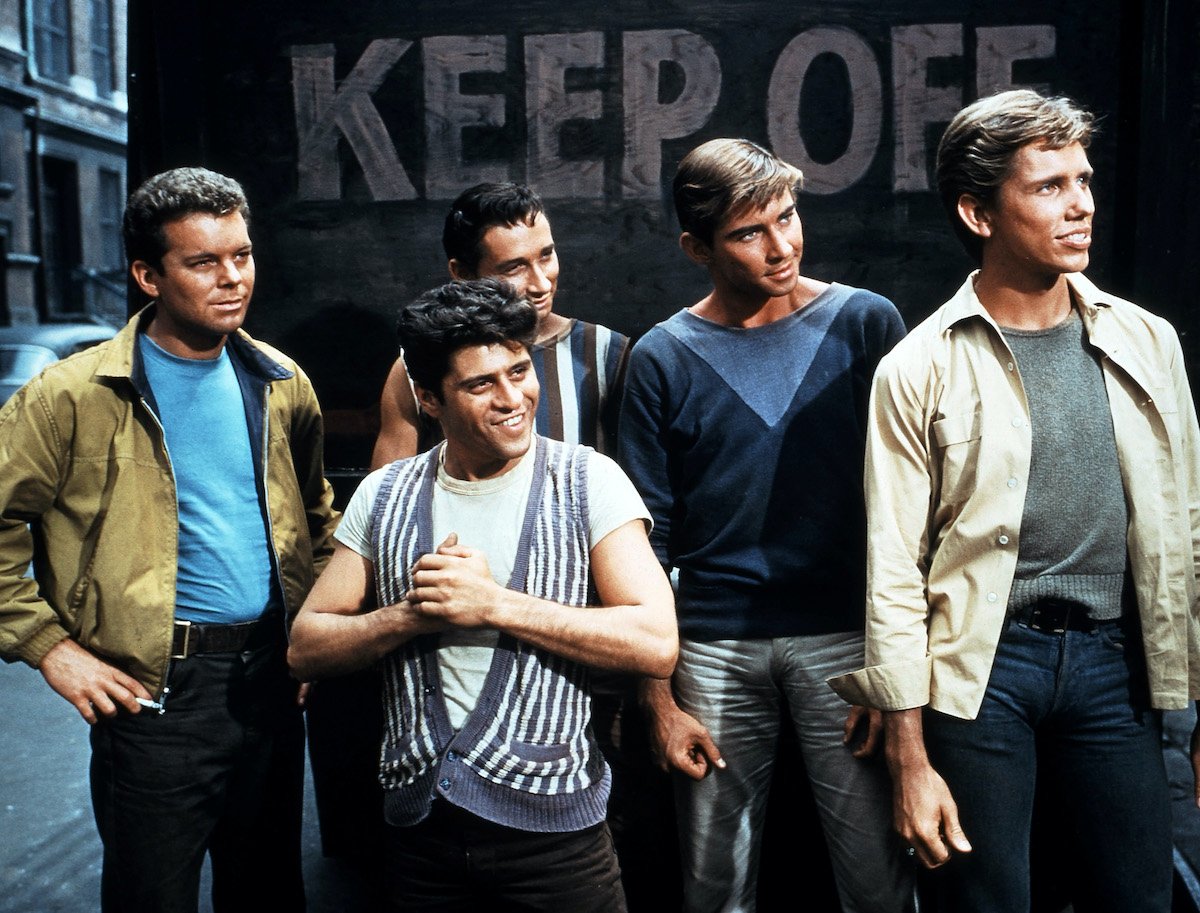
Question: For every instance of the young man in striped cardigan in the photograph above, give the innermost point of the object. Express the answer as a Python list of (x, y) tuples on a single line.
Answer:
[(495, 790)]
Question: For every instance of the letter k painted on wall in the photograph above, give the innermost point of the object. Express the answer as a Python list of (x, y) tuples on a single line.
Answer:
[(324, 110)]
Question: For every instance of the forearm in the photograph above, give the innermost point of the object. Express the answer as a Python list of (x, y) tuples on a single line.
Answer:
[(325, 644), (626, 638), (656, 696), (904, 741)]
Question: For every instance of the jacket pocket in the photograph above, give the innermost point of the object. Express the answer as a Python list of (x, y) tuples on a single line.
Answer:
[(957, 440), (1167, 407)]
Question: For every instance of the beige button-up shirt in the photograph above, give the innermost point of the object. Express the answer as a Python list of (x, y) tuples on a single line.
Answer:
[(948, 453)]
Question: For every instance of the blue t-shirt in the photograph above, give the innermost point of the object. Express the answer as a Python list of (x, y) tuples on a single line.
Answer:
[(224, 573), (747, 446)]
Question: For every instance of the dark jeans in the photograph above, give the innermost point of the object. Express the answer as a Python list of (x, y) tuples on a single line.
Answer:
[(222, 771), (1070, 709), (641, 807), (454, 860)]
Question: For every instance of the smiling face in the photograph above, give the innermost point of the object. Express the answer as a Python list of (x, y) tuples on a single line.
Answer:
[(524, 256), (203, 286), (487, 409), (1039, 225), (755, 253)]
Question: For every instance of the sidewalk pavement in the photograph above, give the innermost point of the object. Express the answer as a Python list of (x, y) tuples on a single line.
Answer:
[(49, 850)]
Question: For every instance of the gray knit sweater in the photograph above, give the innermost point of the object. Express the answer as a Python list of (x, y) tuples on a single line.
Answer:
[(1072, 542)]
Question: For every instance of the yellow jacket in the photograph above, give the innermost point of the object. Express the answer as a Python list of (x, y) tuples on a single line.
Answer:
[(87, 495), (948, 453)]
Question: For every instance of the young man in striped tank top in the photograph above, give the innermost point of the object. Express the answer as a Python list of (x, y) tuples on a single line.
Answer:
[(495, 790), (501, 231)]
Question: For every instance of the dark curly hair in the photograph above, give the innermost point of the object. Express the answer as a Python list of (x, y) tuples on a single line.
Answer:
[(458, 314), (170, 195)]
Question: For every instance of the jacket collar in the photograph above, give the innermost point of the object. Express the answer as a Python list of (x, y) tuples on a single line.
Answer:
[(122, 359), (1105, 330), (965, 305)]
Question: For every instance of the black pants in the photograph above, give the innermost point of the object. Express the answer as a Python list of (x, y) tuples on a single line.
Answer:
[(222, 772), (456, 861)]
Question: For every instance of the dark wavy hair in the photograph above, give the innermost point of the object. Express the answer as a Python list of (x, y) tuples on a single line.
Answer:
[(170, 195), (462, 313), (480, 207)]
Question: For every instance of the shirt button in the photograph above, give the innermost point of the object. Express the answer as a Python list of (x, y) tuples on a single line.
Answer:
[(1011, 366), (444, 783), (992, 597), (1003, 540), (1012, 483), (429, 689), (451, 756), (1017, 423)]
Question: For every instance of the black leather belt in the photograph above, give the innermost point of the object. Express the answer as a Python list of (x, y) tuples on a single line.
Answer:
[(191, 638), (1053, 616)]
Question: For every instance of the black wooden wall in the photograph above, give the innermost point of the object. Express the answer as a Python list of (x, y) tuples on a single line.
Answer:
[(352, 125)]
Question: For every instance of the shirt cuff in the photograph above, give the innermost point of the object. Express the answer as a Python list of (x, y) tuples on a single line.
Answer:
[(895, 686)]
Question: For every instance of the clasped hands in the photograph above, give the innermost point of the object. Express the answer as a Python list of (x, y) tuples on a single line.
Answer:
[(454, 585)]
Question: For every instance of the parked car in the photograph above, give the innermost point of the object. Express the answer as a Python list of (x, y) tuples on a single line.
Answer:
[(25, 350)]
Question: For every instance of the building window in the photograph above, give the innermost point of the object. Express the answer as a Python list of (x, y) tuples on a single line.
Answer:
[(111, 209), (102, 47), (52, 38), (61, 237)]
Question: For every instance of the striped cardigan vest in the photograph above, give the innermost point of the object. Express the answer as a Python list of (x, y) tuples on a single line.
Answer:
[(525, 757)]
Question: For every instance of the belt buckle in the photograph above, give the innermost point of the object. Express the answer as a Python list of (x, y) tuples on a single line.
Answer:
[(1051, 616), (187, 637)]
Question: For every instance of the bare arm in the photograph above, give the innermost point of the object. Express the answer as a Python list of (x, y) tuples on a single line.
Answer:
[(632, 631), (336, 632), (398, 419), (924, 811)]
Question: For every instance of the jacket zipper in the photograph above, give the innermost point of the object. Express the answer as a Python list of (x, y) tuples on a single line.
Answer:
[(160, 705), (266, 437)]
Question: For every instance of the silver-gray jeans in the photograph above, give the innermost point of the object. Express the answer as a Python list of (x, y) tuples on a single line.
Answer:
[(737, 688)]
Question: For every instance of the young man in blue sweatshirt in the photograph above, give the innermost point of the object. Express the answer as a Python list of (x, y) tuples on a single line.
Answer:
[(743, 429)]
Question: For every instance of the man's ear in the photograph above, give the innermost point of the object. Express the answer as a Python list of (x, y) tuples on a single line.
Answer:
[(698, 252), (146, 277), (458, 271), (428, 400), (976, 215)]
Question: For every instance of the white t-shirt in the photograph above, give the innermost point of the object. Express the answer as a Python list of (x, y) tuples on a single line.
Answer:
[(488, 516)]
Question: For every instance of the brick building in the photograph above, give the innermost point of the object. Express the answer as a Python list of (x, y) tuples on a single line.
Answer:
[(63, 114)]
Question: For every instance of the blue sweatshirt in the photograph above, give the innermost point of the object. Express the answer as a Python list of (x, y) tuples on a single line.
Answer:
[(747, 447)]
